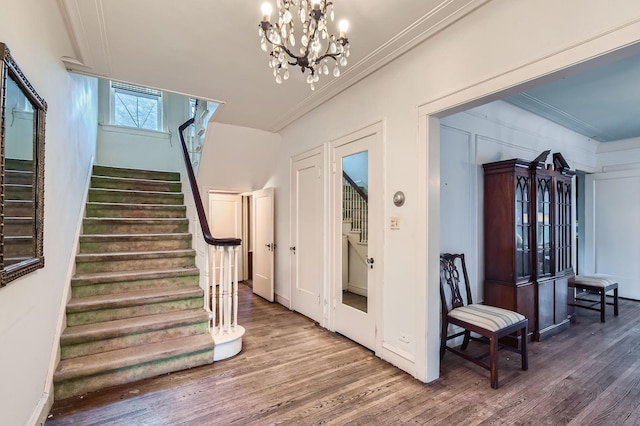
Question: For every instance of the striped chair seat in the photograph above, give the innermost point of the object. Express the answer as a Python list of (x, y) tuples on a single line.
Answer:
[(597, 284), (594, 281), (488, 317)]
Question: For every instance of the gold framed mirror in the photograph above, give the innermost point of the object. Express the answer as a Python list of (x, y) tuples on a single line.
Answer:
[(22, 131)]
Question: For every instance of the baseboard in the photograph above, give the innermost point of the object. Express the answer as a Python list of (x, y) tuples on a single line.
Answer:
[(283, 301), (41, 412), (400, 358)]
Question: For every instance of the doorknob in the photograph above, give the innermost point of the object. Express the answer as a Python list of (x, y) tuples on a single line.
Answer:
[(370, 262), (271, 246), (293, 249)]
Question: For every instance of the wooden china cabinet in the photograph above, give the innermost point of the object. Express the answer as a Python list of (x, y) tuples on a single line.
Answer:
[(527, 240)]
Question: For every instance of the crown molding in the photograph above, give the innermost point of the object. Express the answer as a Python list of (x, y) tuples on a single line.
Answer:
[(440, 17)]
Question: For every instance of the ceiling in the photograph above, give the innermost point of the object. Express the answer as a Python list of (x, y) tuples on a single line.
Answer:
[(602, 103), (210, 49)]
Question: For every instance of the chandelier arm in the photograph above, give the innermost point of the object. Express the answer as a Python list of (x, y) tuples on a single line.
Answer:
[(283, 47)]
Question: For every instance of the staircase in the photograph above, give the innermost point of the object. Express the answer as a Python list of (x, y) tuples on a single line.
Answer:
[(18, 211), (136, 308)]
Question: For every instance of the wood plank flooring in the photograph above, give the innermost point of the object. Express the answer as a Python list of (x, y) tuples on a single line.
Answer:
[(291, 371)]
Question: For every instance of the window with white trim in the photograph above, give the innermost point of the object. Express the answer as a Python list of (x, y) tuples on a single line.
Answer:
[(136, 106)]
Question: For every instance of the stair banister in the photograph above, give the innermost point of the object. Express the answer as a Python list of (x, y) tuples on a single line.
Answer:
[(224, 320)]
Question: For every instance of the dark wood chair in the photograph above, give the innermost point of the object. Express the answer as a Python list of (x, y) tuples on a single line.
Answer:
[(599, 285), (490, 322)]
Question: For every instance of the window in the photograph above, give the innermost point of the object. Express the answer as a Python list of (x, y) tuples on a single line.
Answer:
[(135, 106)]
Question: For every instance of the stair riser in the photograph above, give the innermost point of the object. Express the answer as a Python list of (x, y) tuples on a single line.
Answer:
[(82, 385), (126, 211), (133, 246), (18, 209), (140, 338), (89, 317), (133, 285), (135, 174), (18, 178), (159, 186), (99, 196), (18, 193), (135, 264), (14, 228), (113, 227)]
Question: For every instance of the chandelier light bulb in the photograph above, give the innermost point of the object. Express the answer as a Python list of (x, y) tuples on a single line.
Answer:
[(266, 11), (315, 4), (343, 26)]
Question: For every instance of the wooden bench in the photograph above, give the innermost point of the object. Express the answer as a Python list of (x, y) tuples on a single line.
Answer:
[(596, 284)]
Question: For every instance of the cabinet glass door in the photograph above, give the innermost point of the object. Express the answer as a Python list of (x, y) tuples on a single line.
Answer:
[(523, 247), (543, 219), (563, 226)]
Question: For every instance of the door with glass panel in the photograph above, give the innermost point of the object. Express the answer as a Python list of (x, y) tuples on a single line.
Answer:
[(356, 213)]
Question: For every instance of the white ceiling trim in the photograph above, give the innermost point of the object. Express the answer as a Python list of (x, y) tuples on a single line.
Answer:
[(448, 12), (82, 59), (543, 109)]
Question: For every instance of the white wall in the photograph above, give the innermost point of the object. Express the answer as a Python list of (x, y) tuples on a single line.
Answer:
[(139, 148), (30, 307), (237, 158)]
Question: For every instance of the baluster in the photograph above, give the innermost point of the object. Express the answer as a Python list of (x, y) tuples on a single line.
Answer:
[(221, 289), (227, 312), (210, 293), (235, 288)]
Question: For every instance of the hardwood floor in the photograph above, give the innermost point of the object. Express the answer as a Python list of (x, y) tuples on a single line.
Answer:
[(291, 371)]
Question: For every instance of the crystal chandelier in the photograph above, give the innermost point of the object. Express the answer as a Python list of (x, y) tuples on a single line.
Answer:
[(315, 45)]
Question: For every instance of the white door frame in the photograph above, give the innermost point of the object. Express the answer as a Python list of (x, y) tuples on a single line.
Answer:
[(376, 226)]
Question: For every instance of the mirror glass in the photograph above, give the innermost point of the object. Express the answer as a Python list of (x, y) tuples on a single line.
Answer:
[(22, 130), (355, 214), (19, 229)]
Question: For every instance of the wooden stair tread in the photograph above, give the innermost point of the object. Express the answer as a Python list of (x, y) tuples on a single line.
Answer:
[(118, 359), (87, 279), (135, 180), (109, 329), (97, 257), (109, 171), (133, 298), (131, 205), (167, 236), (138, 220), (137, 191)]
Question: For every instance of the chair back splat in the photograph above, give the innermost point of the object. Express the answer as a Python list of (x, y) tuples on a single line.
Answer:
[(490, 322)]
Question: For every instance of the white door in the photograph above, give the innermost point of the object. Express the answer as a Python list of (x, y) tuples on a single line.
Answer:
[(307, 233), (225, 221), (357, 253), (263, 243)]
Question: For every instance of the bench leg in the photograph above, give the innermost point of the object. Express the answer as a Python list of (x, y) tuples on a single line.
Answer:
[(603, 298), (615, 301)]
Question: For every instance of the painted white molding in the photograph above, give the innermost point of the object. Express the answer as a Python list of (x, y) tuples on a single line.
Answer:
[(398, 357)]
